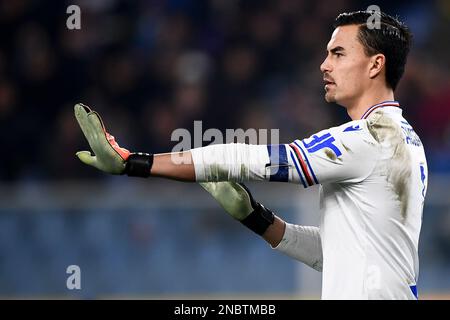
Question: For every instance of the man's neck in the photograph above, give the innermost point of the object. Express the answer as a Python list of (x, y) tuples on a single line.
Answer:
[(357, 108)]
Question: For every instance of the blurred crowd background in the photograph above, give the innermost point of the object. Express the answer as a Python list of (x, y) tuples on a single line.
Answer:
[(152, 66)]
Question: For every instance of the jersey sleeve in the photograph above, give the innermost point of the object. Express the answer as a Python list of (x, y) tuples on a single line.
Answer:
[(302, 243), (341, 154)]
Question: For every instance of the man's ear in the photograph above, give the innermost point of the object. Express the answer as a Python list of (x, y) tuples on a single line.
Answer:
[(377, 62)]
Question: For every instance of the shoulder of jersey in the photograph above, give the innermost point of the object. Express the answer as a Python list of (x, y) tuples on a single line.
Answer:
[(353, 126), (355, 129)]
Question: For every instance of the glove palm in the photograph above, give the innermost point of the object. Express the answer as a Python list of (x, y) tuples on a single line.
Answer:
[(108, 155)]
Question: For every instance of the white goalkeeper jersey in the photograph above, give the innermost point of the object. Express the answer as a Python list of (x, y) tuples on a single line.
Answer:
[(373, 180)]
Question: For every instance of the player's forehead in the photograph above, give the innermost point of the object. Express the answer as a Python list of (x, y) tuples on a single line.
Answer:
[(345, 37)]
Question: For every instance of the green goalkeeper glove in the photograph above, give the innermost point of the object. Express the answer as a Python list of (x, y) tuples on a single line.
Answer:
[(238, 201), (108, 155)]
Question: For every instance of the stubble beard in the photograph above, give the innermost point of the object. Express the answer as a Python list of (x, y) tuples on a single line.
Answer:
[(330, 97)]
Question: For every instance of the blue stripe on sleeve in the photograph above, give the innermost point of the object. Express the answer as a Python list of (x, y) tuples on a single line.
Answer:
[(280, 170)]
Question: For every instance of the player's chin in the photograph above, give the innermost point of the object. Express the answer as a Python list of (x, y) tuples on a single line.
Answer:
[(329, 97)]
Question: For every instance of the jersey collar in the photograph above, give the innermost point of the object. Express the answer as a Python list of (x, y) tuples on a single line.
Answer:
[(383, 104)]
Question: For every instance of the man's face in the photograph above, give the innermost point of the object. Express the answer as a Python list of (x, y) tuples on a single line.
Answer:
[(346, 67)]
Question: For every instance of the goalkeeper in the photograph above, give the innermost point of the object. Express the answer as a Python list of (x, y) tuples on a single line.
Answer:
[(372, 171)]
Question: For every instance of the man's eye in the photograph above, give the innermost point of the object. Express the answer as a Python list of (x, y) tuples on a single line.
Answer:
[(337, 54)]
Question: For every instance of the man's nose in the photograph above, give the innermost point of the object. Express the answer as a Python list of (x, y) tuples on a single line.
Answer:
[(325, 66)]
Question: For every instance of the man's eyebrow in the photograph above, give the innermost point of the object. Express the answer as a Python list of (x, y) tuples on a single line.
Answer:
[(337, 49)]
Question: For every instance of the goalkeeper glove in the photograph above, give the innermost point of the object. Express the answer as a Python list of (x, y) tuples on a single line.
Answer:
[(237, 200), (109, 156)]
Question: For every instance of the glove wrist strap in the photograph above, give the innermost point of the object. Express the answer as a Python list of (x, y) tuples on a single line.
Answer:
[(139, 165), (259, 220)]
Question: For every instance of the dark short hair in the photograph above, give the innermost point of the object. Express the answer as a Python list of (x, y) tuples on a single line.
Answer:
[(392, 39)]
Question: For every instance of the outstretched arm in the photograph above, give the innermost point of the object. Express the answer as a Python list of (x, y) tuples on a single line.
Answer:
[(341, 154), (299, 242), (164, 166), (225, 162)]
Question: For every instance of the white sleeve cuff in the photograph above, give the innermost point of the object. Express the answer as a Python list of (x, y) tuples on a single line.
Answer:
[(302, 243)]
